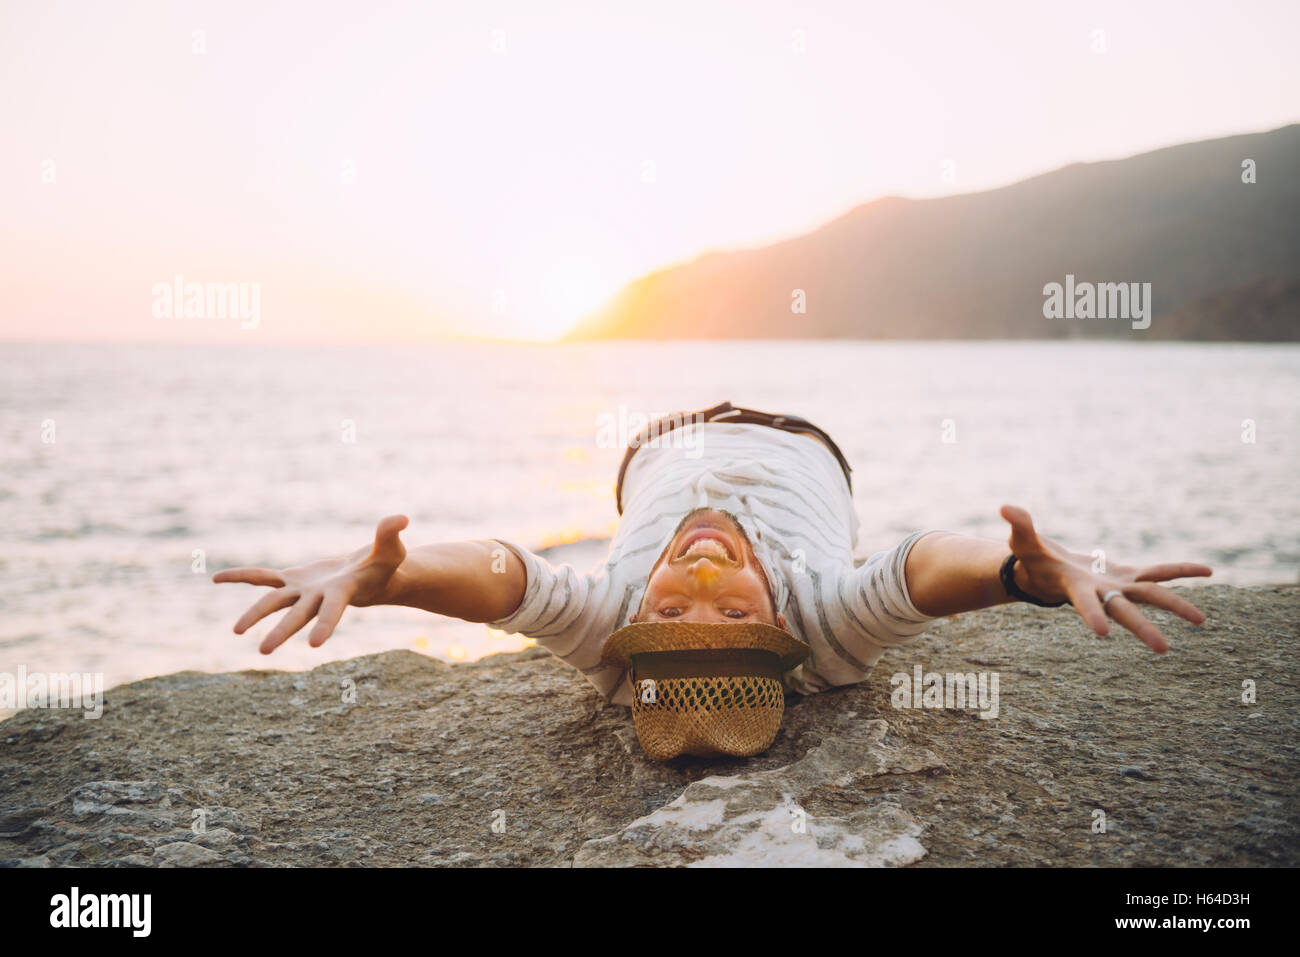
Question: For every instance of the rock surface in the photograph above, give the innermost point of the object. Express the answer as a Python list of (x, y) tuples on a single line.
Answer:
[(399, 759)]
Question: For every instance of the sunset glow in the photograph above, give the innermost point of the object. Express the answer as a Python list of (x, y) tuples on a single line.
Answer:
[(417, 171)]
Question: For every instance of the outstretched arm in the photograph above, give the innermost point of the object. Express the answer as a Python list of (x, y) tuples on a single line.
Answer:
[(948, 574), (475, 581)]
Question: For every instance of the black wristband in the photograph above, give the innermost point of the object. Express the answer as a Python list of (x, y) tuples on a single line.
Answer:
[(1007, 574)]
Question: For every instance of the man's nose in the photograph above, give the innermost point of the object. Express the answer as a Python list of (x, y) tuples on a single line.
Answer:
[(704, 572)]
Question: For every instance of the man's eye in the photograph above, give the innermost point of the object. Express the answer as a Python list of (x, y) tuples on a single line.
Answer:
[(734, 613), (670, 612)]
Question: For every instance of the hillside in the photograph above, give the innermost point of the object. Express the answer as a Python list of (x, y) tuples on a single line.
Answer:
[(974, 266)]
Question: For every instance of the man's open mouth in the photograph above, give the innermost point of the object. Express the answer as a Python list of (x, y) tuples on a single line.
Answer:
[(706, 543)]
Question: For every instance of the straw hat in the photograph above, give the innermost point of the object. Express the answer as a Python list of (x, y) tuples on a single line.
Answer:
[(705, 688)]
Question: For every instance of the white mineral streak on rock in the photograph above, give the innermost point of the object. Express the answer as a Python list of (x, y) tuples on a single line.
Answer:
[(757, 819)]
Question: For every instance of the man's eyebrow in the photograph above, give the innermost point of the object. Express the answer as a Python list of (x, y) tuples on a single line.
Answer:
[(739, 599)]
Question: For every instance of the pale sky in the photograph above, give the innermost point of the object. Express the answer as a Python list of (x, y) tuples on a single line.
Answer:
[(401, 170)]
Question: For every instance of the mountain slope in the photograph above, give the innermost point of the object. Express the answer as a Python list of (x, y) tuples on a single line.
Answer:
[(974, 266)]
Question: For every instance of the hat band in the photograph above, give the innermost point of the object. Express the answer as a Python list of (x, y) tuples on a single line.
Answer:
[(706, 663)]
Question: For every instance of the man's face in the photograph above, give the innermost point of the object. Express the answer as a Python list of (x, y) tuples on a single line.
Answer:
[(708, 572)]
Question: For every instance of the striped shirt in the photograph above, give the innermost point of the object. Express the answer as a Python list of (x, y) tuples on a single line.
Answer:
[(789, 494)]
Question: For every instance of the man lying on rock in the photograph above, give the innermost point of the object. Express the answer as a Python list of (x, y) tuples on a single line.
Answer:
[(731, 517)]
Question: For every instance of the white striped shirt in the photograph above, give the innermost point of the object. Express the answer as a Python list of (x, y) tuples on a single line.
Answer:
[(788, 493)]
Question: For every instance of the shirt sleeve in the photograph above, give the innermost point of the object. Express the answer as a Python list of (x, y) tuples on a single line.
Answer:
[(566, 612), (869, 610), (876, 596)]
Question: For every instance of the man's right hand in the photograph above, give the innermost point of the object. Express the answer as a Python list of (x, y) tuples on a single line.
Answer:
[(321, 589)]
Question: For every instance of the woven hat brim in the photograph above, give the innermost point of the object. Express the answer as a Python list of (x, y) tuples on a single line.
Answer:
[(645, 636)]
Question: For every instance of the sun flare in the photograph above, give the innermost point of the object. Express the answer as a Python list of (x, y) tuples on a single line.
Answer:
[(571, 288)]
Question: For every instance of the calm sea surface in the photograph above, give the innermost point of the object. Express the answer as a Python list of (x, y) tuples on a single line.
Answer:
[(241, 455)]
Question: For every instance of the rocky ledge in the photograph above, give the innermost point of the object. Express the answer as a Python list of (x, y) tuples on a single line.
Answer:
[(1100, 754)]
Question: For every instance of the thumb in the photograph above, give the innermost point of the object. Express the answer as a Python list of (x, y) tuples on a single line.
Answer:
[(388, 543), (1024, 539)]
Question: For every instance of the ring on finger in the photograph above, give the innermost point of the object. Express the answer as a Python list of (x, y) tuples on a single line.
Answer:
[(1113, 593)]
